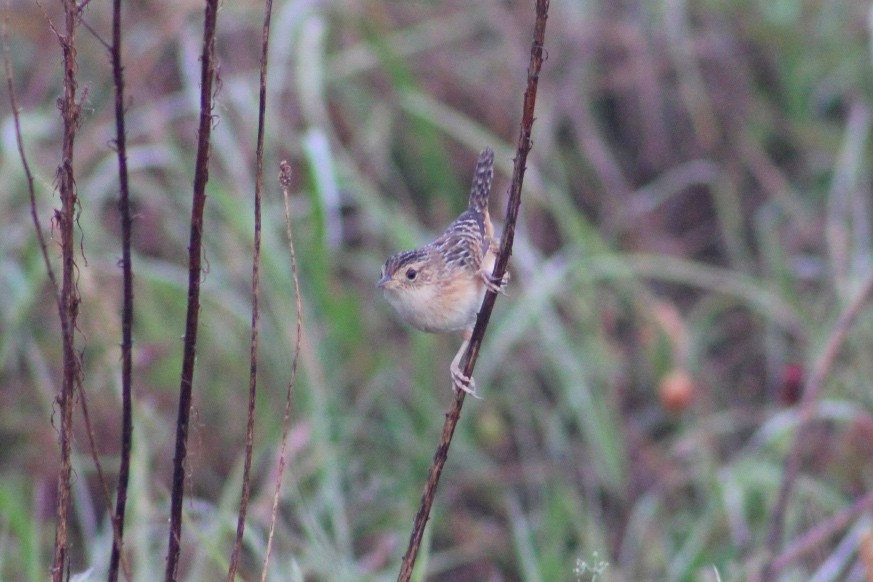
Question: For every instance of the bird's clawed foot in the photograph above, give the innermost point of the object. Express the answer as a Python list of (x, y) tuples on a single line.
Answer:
[(462, 382), (492, 284)]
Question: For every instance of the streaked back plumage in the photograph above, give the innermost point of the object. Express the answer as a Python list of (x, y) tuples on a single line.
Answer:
[(468, 238)]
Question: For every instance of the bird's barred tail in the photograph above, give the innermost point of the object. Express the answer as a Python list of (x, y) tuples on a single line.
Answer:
[(482, 182)]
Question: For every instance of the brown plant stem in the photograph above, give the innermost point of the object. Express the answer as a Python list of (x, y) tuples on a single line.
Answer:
[(69, 296), (59, 557), (537, 55), (195, 253), (256, 259), (127, 301)]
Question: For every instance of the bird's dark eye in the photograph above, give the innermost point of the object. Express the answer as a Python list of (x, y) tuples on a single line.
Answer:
[(411, 274)]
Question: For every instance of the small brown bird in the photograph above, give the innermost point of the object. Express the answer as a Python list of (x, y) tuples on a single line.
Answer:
[(439, 287)]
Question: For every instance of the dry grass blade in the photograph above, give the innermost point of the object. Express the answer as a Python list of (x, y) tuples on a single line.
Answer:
[(285, 183), (814, 539), (256, 260), (537, 55)]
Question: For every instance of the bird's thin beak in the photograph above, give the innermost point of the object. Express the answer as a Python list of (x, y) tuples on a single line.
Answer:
[(382, 281)]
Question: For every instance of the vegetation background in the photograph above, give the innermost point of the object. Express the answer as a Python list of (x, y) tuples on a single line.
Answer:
[(697, 213)]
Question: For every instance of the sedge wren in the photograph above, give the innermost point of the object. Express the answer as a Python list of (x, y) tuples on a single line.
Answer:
[(439, 287)]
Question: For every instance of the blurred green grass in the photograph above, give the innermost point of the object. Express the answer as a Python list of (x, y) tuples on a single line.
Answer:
[(697, 200)]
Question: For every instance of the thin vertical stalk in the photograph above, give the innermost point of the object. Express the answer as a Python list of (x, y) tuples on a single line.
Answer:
[(66, 218), (195, 253), (285, 183), (127, 299), (256, 259)]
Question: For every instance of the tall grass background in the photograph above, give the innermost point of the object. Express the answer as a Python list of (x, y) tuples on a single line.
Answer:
[(696, 215)]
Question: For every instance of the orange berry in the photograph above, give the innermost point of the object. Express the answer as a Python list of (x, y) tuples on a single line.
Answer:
[(676, 390)]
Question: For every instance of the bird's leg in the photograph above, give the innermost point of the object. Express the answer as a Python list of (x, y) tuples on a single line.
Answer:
[(461, 381), (492, 284)]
